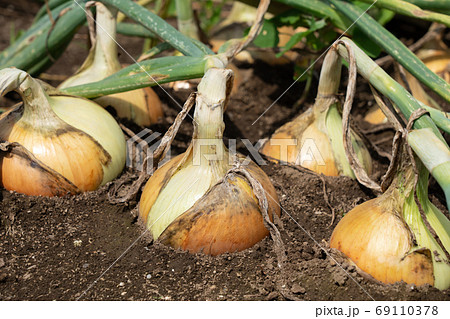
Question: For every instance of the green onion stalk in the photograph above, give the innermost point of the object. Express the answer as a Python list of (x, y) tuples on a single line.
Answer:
[(394, 47), (158, 26), (435, 156), (43, 43), (405, 102), (185, 19), (435, 5), (411, 10)]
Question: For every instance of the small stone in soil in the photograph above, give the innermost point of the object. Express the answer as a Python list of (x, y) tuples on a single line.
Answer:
[(272, 296), (339, 278), (2, 262), (297, 289), (3, 277)]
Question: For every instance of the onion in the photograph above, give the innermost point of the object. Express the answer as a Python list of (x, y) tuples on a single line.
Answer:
[(142, 106), (191, 202), (314, 139), (56, 144), (387, 237)]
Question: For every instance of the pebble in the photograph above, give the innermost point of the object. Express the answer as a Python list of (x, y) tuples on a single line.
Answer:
[(340, 278), (85, 265), (3, 277), (149, 276), (272, 296), (2, 262), (297, 289), (123, 293), (121, 284)]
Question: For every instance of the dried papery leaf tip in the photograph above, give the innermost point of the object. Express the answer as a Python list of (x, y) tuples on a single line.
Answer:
[(56, 145), (142, 106), (194, 202)]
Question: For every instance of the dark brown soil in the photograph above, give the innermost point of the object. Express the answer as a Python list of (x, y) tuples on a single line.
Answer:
[(84, 247)]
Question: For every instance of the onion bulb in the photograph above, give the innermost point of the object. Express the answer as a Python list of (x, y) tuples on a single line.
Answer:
[(386, 237), (314, 139), (67, 144), (191, 202), (142, 106)]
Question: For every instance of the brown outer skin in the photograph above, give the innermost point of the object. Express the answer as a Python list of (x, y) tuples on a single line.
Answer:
[(226, 219), (224, 229), (40, 174), (378, 242), (142, 106), (30, 172)]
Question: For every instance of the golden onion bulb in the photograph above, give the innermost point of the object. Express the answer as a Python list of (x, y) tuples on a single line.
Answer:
[(191, 202), (386, 237), (315, 139), (142, 106), (377, 240), (74, 145)]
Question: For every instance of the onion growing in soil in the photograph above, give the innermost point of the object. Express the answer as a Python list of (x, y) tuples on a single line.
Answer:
[(56, 144), (142, 106), (388, 238), (314, 139), (193, 202)]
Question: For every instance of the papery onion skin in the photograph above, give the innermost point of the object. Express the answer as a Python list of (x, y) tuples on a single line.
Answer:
[(58, 140), (328, 167), (154, 185), (225, 219), (379, 243), (70, 152), (304, 142)]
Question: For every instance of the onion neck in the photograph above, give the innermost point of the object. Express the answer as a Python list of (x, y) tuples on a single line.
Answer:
[(208, 117), (36, 105), (330, 78), (102, 60), (105, 46)]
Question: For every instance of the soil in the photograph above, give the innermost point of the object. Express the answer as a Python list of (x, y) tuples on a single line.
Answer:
[(83, 247)]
